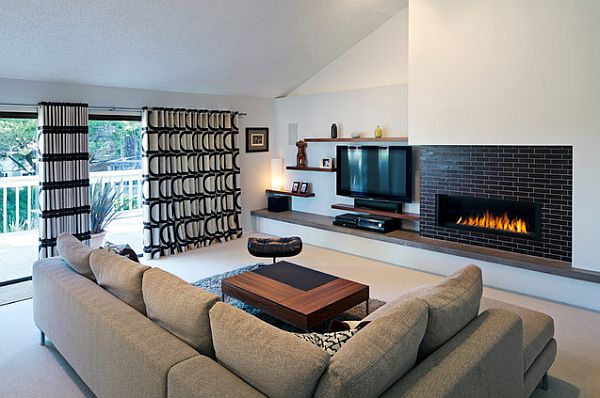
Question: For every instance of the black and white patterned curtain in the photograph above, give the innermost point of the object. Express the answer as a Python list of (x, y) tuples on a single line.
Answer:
[(191, 193), (64, 196)]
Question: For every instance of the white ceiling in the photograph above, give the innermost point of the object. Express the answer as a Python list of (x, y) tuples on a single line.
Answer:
[(237, 47)]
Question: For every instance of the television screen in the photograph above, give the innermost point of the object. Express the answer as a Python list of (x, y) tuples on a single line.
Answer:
[(375, 172)]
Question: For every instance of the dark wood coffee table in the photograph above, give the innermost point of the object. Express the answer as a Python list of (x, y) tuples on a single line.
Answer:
[(299, 296)]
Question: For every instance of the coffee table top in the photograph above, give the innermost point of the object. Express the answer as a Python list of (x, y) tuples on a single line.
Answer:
[(298, 295)]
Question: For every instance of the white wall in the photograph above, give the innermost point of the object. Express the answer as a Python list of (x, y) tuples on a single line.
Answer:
[(255, 167), (513, 72), (380, 59), (353, 110)]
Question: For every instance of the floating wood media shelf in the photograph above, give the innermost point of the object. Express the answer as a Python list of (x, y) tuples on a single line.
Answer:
[(326, 170), (402, 216), (290, 193), (372, 139)]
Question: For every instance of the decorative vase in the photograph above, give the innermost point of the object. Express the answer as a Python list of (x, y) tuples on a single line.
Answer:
[(333, 130), (378, 132), (96, 240)]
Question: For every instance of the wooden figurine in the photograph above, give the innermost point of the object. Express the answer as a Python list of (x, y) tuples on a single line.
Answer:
[(301, 156)]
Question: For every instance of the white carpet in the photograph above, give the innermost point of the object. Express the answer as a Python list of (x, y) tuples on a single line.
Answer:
[(28, 370)]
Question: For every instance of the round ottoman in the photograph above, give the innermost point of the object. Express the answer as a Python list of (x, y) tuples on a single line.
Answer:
[(275, 247)]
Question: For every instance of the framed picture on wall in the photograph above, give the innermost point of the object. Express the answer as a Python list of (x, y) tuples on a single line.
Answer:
[(296, 187), (257, 139)]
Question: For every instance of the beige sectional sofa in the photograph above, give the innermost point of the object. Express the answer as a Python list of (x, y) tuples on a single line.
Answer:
[(427, 343)]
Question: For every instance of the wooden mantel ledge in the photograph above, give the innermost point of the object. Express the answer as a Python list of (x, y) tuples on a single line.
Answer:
[(413, 239)]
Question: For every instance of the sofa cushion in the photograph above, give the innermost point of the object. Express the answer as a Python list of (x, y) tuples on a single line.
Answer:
[(120, 276), (180, 308), (378, 355), (75, 254), (453, 303), (538, 328), (271, 360), (390, 305)]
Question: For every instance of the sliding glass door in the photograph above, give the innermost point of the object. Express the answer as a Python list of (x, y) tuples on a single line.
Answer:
[(18, 195)]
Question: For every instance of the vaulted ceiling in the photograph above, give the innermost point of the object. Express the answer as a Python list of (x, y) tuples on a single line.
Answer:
[(237, 47)]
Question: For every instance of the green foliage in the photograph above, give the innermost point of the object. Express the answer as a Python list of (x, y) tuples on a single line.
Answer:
[(114, 139), (18, 143), (11, 209)]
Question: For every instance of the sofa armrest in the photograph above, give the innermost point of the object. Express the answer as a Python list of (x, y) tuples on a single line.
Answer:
[(483, 360), (200, 376)]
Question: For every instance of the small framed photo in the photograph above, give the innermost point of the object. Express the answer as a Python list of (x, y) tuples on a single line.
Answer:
[(257, 139), (296, 187), (304, 188), (327, 163)]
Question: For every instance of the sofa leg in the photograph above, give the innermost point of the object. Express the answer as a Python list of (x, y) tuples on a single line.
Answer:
[(544, 382), (42, 338)]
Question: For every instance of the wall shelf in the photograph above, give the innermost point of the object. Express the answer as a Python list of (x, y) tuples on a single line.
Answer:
[(365, 139), (402, 216), (290, 193), (330, 170), (412, 239)]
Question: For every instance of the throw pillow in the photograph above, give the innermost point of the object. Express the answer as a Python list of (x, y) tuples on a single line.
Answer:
[(269, 359), (180, 308), (121, 250), (379, 355), (453, 303), (120, 276), (331, 342), (75, 254)]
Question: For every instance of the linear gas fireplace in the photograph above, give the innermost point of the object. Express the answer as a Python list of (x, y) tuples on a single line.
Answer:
[(493, 216), (512, 198)]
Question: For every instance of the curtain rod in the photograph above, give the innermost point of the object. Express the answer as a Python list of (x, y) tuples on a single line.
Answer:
[(99, 108)]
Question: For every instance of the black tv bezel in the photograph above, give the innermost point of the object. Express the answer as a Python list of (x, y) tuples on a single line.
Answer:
[(393, 198)]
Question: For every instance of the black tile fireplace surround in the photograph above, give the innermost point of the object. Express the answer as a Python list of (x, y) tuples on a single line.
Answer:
[(514, 198)]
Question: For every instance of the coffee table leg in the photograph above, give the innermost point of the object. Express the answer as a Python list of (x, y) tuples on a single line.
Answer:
[(367, 307)]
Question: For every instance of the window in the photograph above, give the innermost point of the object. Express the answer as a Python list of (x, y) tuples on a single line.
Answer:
[(18, 195), (115, 143), (115, 163)]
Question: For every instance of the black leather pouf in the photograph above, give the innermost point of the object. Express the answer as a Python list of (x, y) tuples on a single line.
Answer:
[(275, 247)]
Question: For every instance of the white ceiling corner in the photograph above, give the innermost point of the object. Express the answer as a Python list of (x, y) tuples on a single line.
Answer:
[(235, 47)]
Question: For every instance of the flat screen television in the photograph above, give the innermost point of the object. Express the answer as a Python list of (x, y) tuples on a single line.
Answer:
[(374, 172)]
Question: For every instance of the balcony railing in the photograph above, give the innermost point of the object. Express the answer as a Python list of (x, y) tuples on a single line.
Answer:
[(25, 214)]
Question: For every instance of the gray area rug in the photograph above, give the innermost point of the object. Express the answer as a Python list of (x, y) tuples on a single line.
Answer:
[(16, 292), (213, 284)]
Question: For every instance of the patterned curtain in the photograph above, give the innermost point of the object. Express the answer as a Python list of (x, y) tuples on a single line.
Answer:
[(64, 196), (191, 193)]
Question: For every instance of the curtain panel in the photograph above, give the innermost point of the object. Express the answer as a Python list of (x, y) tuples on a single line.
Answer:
[(191, 192), (64, 192)]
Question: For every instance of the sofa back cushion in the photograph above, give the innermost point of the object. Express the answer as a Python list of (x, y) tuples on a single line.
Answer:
[(273, 361), (453, 303), (377, 355), (75, 254), (180, 308), (120, 276)]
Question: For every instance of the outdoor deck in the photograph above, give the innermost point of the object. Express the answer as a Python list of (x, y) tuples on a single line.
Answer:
[(18, 250)]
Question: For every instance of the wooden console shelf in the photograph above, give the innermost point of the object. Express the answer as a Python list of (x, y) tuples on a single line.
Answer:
[(330, 170), (365, 139), (412, 239), (290, 193), (402, 216)]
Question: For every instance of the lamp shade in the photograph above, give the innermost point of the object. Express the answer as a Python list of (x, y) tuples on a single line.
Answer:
[(276, 173)]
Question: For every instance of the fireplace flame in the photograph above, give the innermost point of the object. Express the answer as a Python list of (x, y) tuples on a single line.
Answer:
[(488, 220)]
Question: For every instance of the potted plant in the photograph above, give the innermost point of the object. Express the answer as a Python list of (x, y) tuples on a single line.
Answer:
[(104, 207)]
